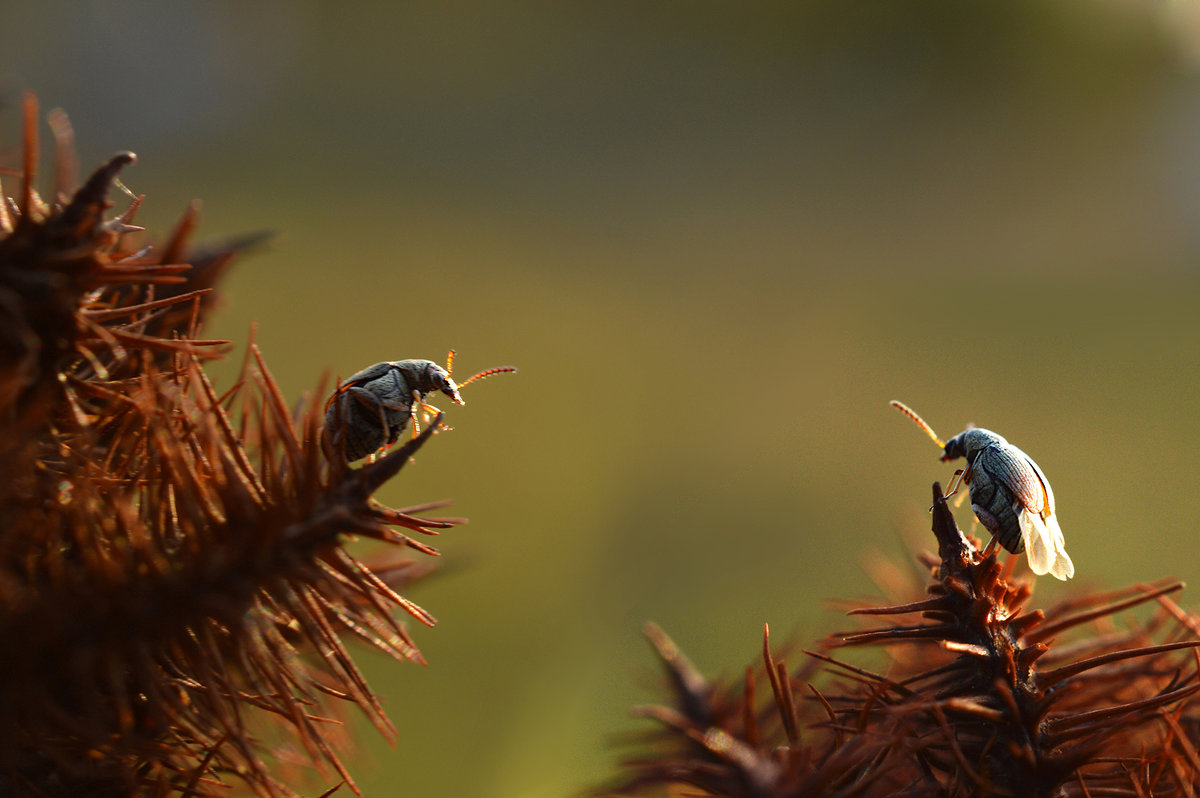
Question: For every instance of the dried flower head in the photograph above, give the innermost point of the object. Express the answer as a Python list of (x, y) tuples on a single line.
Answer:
[(174, 588), (977, 697)]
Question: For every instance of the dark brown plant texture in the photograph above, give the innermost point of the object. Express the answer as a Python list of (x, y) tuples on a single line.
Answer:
[(174, 586), (969, 694)]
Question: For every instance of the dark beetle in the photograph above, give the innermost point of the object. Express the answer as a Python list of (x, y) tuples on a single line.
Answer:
[(369, 410), (1010, 495), (1012, 499)]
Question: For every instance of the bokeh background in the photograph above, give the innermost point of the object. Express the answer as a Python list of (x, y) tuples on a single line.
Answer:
[(716, 239)]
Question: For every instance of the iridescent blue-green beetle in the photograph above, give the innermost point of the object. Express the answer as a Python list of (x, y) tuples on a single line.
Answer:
[(1009, 493)]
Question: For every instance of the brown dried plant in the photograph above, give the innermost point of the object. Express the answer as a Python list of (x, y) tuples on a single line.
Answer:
[(174, 588), (977, 697)]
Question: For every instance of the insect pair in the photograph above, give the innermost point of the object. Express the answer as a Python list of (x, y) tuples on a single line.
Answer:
[(1010, 495), (369, 410)]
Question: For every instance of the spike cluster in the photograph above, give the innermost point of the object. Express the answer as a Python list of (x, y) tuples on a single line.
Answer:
[(978, 697), (173, 585)]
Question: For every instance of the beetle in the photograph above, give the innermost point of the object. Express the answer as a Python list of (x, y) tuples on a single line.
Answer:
[(1010, 495), (369, 410)]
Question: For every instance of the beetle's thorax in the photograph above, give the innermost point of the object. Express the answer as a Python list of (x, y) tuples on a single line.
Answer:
[(970, 443), (425, 376)]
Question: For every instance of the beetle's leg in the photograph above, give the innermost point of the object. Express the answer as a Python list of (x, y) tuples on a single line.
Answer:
[(955, 482), (364, 397), (423, 410), (412, 413), (966, 477), (429, 412), (961, 475), (379, 405), (989, 548), (374, 406), (371, 403)]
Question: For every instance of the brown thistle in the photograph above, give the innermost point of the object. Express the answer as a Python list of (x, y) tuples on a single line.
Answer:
[(174, 591), (978, 697)]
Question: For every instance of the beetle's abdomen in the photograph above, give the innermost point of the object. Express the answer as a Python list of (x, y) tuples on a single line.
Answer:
[(359, 428), (364, 435), (993, 504), (1008, 524)]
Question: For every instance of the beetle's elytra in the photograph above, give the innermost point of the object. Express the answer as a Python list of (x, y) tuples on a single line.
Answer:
[(369, 410), (1009, 493)]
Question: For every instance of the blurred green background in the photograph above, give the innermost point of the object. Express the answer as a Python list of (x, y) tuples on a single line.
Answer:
[(716, 239)]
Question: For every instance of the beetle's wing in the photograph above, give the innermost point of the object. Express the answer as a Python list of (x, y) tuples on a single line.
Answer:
[(1048, 507), (1014, 469), (372, 372), (358, 378), (1062, 568), (1038, 546), (1044, 545)]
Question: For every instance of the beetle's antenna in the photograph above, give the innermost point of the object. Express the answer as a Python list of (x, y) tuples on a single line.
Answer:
[(487, 373), (920, 422), (479, 376)]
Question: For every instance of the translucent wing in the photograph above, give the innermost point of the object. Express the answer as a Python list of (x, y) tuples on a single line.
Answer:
[(1038, 547), (1044, 545), (1062, 568)]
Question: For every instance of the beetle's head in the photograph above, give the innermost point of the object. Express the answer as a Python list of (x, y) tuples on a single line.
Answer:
[(436, 378), (969, 443), (425, 376)]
